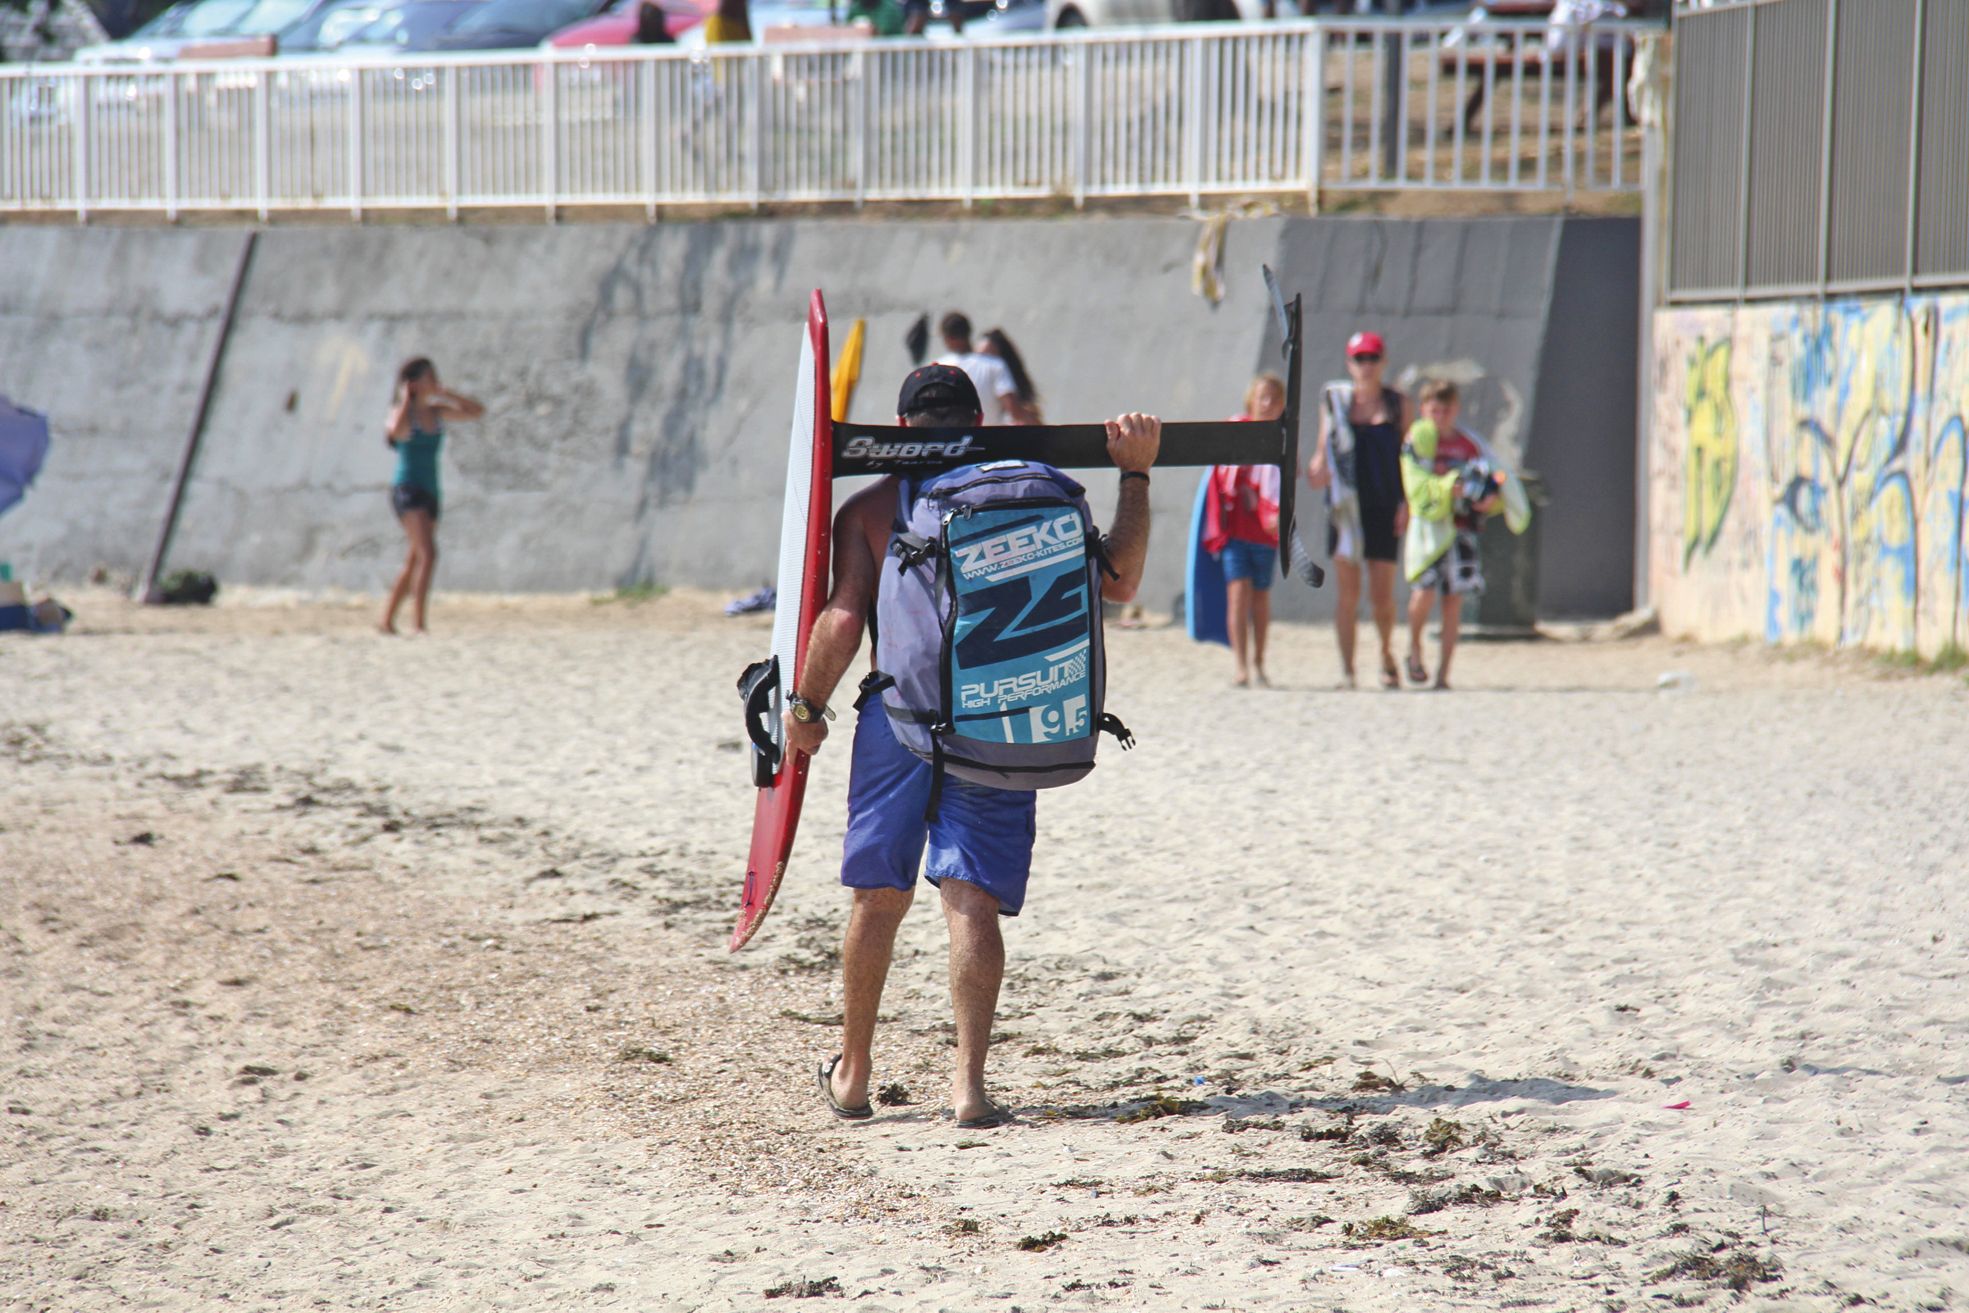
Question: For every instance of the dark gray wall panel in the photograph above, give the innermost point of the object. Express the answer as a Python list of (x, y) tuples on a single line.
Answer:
[(639, 377)]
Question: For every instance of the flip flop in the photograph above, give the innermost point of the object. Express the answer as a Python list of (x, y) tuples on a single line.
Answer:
[(998, 1116), (1390, 676), (834, 1105), (1417, 672)]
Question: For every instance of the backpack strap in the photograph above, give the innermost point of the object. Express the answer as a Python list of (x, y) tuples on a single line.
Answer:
[(1112, 724), (871, 687), (1097, 544)]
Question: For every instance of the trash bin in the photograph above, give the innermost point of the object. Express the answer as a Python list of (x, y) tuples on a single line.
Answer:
[(1509, 606)]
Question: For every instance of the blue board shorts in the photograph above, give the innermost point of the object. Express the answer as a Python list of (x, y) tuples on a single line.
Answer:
[(980, 835), (1251, 561)]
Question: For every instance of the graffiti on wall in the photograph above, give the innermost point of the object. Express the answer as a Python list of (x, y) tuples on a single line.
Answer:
[(1711, 476), (1813, 460)]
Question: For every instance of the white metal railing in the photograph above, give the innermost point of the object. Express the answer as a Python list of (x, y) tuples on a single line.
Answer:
[(1189, 111)]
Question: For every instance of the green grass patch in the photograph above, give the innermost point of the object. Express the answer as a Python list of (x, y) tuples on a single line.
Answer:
[(1950, 658), (632, 594)]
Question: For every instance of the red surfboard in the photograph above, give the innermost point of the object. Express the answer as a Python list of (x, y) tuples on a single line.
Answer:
[(805, 526)]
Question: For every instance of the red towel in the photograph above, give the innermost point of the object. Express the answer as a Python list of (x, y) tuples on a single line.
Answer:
[(1243, 504)]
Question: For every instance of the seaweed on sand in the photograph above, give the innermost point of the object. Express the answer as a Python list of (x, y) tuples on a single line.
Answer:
[(1162, 1105), (1381, 1230), (801, 1288), (1442, 1136), (1736, 1270)]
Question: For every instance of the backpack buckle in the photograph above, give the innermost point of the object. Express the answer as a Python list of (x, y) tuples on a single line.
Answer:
[(911, 549), (1112, 724)]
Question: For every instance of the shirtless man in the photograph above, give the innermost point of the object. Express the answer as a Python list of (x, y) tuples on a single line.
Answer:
[(980, 843)]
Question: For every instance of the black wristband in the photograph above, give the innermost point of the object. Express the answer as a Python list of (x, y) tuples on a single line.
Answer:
[(1134, 474)]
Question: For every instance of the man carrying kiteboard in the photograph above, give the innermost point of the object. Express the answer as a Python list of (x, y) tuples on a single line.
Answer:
[(1008, 549)]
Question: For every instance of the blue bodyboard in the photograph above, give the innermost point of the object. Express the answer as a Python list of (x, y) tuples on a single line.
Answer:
[(1206, 602)]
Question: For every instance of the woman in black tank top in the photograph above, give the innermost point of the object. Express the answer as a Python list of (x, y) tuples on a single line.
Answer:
[(1378, 417)]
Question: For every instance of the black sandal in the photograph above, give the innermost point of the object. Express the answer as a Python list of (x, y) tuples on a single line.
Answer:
[(834, 1105), (999, 1115)]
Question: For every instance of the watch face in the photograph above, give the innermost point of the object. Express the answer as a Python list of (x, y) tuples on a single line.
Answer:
[(802, 712)]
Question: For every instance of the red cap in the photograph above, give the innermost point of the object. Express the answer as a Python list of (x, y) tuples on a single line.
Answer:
[(1366, 344)]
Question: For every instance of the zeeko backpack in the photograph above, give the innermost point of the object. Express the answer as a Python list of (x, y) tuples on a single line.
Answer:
[(989, 653)]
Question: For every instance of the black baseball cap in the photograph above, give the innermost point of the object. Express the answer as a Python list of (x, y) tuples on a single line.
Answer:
[(938, 387)]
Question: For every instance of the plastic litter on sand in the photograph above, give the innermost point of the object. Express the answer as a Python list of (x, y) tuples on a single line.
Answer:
[(763, 600)]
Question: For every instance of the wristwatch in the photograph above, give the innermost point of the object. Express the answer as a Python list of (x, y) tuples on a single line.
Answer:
[(807, 712)]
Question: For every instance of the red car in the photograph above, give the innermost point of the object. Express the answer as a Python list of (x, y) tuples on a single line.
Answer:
[(616, 25)]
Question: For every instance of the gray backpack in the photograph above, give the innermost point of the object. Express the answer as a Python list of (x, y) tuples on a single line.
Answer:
[(989, 650)]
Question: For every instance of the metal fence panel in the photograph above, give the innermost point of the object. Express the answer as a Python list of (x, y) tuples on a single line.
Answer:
[(1024, 143), (1871, 120), (309, 116), (1787, 115), (1712, 67), (1183, 110), (1887, 185), (1479, 105), (1941, 229)]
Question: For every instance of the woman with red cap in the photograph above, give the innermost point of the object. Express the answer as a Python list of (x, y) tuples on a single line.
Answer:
[(1358, 462)]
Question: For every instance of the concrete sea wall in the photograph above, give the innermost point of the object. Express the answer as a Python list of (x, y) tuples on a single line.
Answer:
[(638, 378), (1809, 472)]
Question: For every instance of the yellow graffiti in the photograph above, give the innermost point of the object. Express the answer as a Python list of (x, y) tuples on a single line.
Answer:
[(347, 361), (1711, 460)]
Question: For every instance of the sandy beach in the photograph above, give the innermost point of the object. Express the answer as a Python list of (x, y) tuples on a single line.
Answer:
[(345, 972)]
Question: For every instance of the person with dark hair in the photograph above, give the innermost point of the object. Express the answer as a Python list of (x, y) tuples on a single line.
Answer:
[(1023, 407), (652, 27), (1358, 462), (884, 18), (979, 838), (988, 373), (415, 431)]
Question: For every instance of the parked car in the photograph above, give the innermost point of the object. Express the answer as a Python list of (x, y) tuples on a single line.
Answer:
[(617, 25), (515, 24), (394, 27), (329, 26), (162, 37), (408, 26), (987, 18), (775, 21)]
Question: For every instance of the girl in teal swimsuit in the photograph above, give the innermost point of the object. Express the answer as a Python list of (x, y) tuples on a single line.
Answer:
[(416, 433)]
